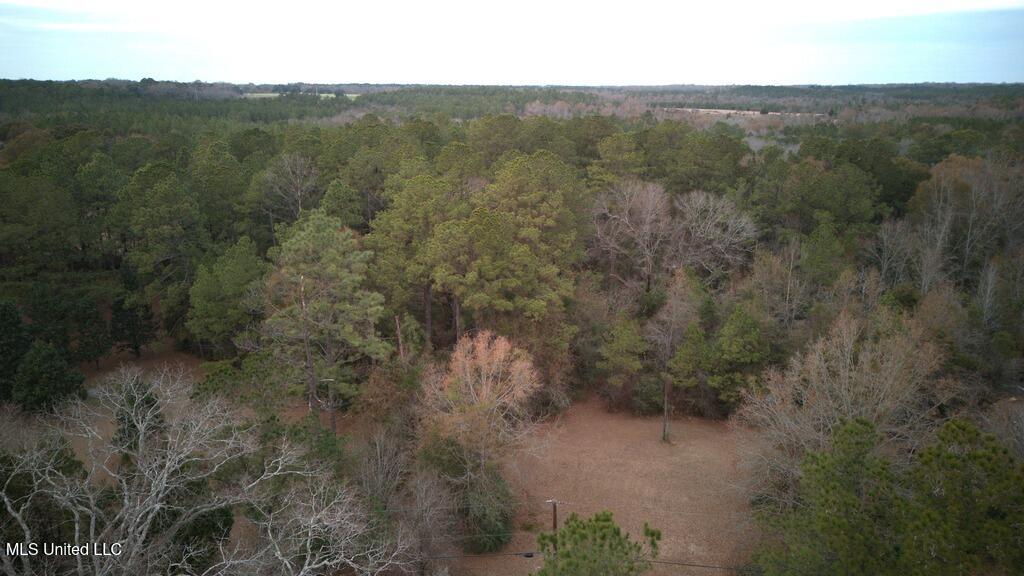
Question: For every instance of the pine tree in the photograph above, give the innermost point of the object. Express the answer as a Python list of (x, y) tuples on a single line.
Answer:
[(320, 317), (14, 343), (44, 377), (596, 547)]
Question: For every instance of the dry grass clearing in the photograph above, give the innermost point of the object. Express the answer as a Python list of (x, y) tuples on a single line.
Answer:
[(593, 460)]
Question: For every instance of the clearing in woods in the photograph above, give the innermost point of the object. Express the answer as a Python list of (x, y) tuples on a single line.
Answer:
[(591, 460)]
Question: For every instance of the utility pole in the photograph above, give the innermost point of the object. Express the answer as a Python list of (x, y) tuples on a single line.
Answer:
[(554, 524)]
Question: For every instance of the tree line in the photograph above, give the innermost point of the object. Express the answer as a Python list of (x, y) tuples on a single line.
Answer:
[(853, 291)]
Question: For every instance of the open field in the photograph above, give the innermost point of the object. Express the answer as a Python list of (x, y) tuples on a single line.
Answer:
[(592, 460)]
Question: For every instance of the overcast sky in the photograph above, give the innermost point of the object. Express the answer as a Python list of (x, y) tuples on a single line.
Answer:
[(577, 42)]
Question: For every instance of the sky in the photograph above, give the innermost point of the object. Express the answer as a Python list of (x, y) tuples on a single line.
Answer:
[(522, 42)]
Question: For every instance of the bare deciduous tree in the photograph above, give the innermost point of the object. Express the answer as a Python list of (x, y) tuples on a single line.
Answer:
[(885, 375), (985, 294), (383, 465), (666, 329), (167, 461), (632, 225), (777, 285), (319, 527), (710, 233), (1006, 420), (967, 208), (482, 399), (429, 518), (891, 251), (163, 466), (289, 186)]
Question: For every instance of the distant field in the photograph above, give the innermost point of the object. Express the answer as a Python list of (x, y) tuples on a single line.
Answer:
[(276, 94)]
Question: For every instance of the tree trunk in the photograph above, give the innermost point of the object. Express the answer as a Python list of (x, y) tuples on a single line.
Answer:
[(314, 405), (428, 317), (457, 315), (398, 335), (664, 413), (334, 414)]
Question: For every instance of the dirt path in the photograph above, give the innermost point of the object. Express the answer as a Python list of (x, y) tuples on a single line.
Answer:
[(592, 460)]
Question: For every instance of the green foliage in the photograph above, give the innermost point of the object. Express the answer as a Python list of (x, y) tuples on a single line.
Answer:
[(401, 236), (620, 157), (649, 395), (44, 377), (967, 506), (596, 547), (72, 323), (956, 511), (707, 161), (844, 523), (131, 324), (14, 343), (740, 352), (219, 183), (822, 256), (489, 512), (512, 255), (320, 315), (345, 203), (203, 534), (622, 353), (92, 339), (38, 227), (220, 297), (729, 363), (172, 237), (131, 320)]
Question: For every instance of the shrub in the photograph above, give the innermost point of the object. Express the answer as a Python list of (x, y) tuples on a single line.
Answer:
[(489, 512)]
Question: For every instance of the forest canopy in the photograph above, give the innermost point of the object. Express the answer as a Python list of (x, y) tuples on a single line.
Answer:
[(839, 269)]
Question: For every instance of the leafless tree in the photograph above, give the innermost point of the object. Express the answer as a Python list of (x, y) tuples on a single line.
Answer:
[(289, 186), (429, 519), (632, 225), (318, 526), (383, 465), (891, 251), (666, 329), (777, 285), (1006, 420), (967, 208), (482, 399), (163, 465), (710, 233), (885, 375), (985, 294)]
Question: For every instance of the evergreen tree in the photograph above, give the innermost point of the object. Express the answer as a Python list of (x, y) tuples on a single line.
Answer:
[(131, 321), (220, 302), (596, 547), (845, 521), (44, 377), (92, 339), (320, 317), (622, 353), (14, 343)]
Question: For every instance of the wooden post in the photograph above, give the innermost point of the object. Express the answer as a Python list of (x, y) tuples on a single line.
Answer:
[(554, 524)]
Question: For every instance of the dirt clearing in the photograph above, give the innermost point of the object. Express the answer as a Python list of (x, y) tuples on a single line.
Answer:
[(591, 460)]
